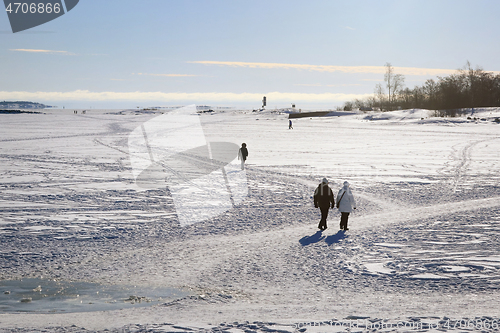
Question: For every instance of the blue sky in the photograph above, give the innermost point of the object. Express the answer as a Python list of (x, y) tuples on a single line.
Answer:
[(315, 53)]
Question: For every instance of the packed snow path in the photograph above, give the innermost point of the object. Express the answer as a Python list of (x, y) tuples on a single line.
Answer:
[(423, 243)]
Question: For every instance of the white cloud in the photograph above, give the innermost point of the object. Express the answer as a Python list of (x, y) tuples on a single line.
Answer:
[(169, 75), (42, 51), (331, 68), (328, 85)]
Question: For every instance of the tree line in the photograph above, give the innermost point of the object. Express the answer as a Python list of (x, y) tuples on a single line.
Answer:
[(468, 88)]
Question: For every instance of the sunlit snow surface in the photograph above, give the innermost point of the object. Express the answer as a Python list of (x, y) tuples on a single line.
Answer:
[(423, 242)]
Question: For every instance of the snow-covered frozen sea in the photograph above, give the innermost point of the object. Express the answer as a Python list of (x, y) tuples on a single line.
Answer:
[(422, 252)]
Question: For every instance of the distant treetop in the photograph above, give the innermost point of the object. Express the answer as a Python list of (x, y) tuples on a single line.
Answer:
[(22, 105)]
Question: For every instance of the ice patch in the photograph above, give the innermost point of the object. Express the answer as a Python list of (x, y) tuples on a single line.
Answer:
[(378, 267), (50, 296), (42, 228), (429, 276), (455, 269), (390, 245), (475, 276)]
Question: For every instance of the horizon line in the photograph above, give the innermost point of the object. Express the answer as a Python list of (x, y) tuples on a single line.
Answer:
[(86, 95)]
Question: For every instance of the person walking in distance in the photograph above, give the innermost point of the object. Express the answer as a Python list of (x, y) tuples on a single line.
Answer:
[(242, 155), (345, 204), (323, 198)]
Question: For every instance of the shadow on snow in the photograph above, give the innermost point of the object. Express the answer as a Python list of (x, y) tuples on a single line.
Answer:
[(332, 239), (318, 237), (308, 240)]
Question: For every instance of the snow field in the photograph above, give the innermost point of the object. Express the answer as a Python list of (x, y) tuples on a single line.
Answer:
[(423, 243)]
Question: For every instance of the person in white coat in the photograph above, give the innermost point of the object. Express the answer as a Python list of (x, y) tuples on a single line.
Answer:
[(345, 204)]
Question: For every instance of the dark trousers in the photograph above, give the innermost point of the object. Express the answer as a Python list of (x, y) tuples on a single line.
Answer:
[(324, 215), (343, 221)]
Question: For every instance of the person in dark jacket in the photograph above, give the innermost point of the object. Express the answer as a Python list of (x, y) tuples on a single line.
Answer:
[(323, 198), (242, 155)]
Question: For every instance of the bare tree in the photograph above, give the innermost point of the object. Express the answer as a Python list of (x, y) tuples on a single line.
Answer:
[(380, 96), (348, 106), (468, 88), (393, 82)]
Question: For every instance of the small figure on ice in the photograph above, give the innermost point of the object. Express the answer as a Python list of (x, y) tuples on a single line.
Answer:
[(345, 204), (323, 198), (242, 155), (290, 124)]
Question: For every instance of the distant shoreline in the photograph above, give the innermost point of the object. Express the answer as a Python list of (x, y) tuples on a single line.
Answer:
[(18, 112)]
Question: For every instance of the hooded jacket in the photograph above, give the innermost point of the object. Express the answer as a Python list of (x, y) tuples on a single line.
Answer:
[(345, 199), (323, 196)]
